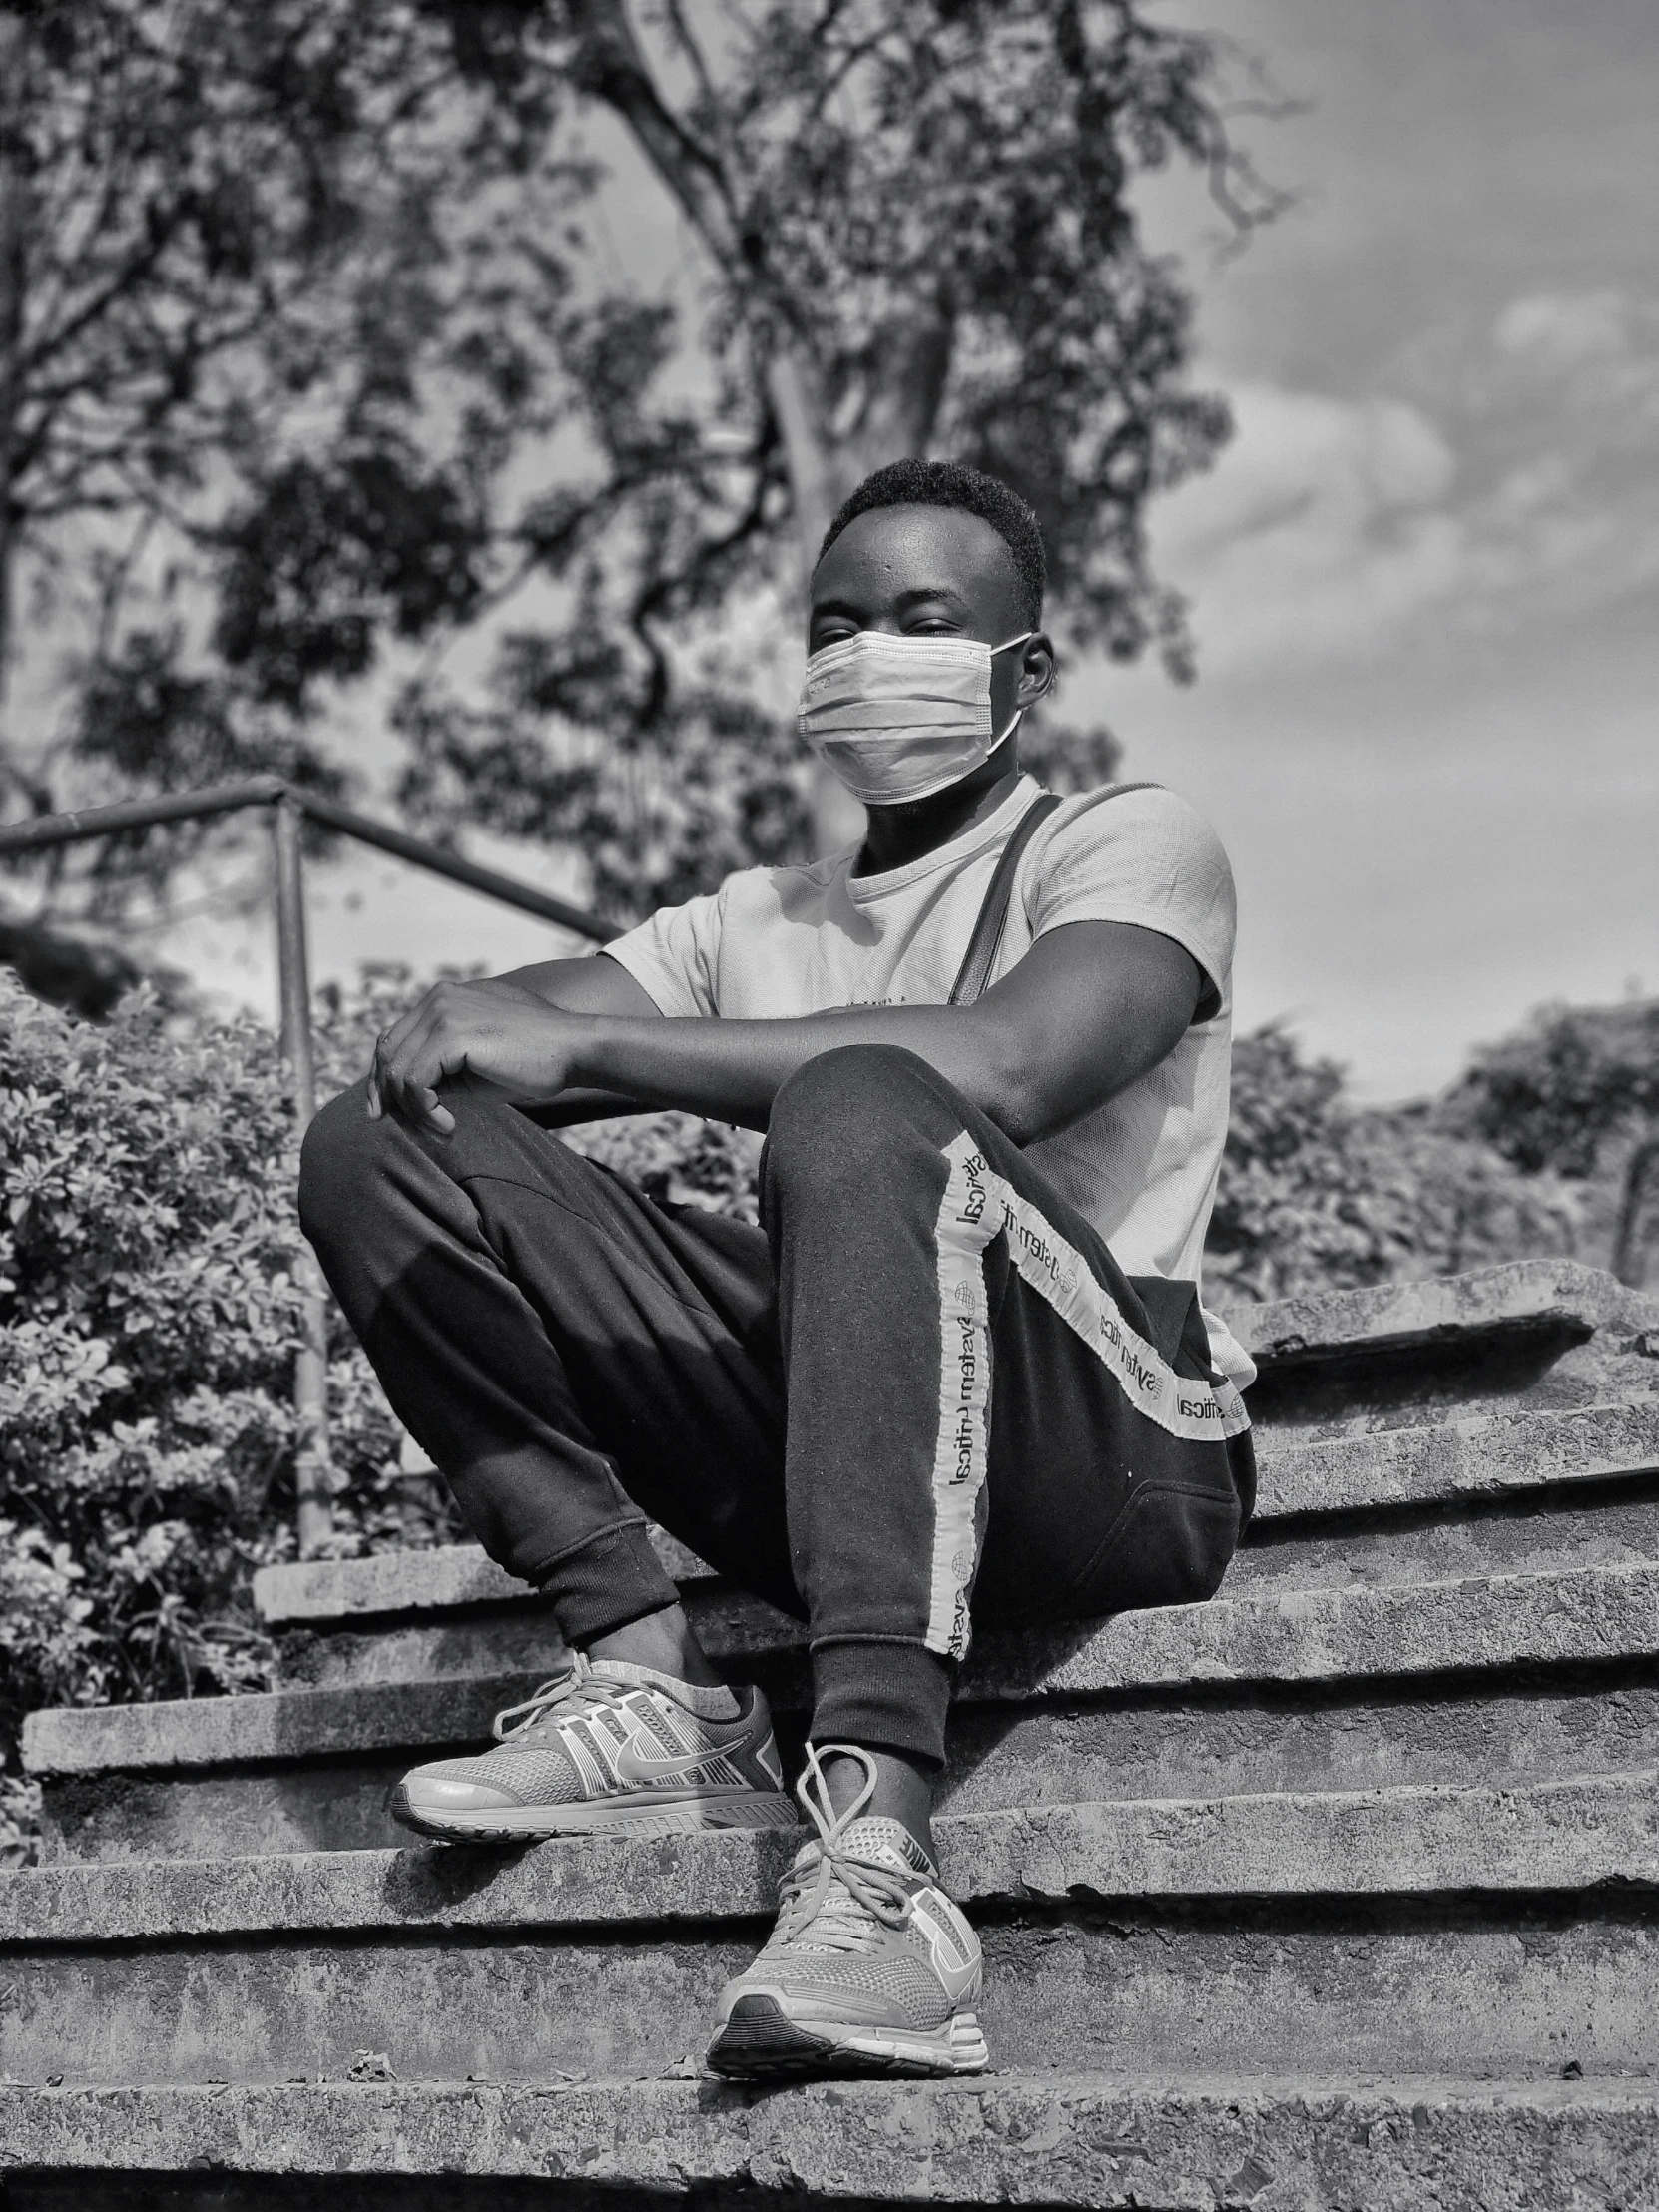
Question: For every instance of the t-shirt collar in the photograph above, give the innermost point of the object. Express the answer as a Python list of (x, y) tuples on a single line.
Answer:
[(864, 890)]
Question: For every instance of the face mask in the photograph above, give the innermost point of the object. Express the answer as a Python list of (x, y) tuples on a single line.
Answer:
[(902, 718)]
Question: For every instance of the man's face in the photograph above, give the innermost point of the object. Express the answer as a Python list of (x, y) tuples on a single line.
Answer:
[(932, 572)]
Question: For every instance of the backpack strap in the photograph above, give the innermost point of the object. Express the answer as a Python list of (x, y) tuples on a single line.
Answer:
[(986, 941)]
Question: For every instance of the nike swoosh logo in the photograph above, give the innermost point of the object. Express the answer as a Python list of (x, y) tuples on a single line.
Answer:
[(959, 1980), (631, 1767)]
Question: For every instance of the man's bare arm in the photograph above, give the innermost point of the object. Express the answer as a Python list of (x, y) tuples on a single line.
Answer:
[(1091, 1007), (594, 985)]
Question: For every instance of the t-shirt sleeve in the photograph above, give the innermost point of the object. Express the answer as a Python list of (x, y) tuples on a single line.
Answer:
[(1142, 857), (675, 956)]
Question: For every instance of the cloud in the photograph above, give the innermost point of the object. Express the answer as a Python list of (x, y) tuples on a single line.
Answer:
[(1599, 349), (1563, 330), (1325, 525), (1521, 492)]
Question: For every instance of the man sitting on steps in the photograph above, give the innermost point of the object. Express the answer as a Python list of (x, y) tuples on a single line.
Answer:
[(959, 1376)]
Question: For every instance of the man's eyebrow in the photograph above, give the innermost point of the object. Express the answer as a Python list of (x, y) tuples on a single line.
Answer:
[(906, 599), (932, 591)]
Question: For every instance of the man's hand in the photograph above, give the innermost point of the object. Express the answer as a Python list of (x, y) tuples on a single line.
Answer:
[(495, 1030)]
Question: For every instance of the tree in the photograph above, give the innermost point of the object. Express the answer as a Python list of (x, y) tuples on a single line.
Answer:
[(323, 330), (214, 229), (1577, 1091), (908, 228)]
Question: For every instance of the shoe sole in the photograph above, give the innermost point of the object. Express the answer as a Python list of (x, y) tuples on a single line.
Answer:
[(760, 2042), (599, 1817)]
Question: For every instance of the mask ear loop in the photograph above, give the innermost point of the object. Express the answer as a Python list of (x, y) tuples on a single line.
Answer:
[(1015, 719)]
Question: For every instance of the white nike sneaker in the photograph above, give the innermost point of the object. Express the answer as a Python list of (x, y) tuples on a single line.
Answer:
[(609, 1749), (871, 1970)]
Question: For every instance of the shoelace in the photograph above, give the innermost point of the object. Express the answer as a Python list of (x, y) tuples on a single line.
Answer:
[(836, 1892), (579, 1687)]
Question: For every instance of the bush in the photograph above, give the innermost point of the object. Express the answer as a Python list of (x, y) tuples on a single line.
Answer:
[(1317, 1195), (148, 1327)]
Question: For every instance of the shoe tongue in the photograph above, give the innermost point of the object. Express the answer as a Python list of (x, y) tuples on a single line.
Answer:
[(707, 1704), (887, 1842)]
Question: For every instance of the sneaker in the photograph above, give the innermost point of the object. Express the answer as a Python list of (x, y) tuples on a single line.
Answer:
[(609, 1749), (871, 1968)]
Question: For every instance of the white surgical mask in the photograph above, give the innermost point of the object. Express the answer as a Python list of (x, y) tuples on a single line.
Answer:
[(902, 718)]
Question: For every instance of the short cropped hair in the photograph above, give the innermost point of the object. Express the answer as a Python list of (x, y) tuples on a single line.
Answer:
[(954, 485)]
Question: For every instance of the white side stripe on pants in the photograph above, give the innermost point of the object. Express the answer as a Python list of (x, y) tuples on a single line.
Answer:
[(979, 1205)]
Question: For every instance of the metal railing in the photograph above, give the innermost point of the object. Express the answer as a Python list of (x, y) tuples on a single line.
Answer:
[(290, 805)]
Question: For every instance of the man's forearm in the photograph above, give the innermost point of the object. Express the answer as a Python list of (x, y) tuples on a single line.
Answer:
[(733, 1070), (574, 1106), (1089, 1009)]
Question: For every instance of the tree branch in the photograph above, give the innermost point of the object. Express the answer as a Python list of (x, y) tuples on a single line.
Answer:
[(610, 66)]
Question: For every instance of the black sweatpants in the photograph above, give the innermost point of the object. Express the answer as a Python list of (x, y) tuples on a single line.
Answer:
[(922, 1395)]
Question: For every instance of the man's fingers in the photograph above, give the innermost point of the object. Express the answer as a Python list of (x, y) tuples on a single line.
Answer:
[(394, 1039), (411, 1059), (398, 1049), (393, 1054), (423, 1110), (435, 1041)]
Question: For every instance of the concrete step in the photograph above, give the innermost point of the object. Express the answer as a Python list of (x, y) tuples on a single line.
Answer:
[(1522, 1492), (1543, 1673), (1575, 1616), (1463, 1461), (1541, 1298), (1550, 1334), (1466, 1463), (1297, 2143), (1497, 1930), (1611, 1522)]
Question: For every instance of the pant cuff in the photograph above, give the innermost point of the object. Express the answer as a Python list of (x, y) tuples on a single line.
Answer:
[(885, 1696), (613, 1578)]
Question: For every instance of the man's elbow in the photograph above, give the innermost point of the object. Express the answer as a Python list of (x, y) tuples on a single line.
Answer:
[(1031, 1094), (1020, 1098)]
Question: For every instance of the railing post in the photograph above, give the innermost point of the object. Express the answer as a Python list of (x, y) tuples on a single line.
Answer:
[(310, 1368)]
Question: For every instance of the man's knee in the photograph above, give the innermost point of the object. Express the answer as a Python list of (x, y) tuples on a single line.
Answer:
[(345, 1148), (851, 1107), (340, 1160)]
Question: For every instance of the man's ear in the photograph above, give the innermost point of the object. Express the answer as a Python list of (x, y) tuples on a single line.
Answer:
[(1038, 667)]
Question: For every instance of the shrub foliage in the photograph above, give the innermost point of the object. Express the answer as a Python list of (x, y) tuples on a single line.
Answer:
[(148, 1329), (1316, 1194)]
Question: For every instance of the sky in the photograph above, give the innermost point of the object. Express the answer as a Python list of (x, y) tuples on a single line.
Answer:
[(1424, 576)]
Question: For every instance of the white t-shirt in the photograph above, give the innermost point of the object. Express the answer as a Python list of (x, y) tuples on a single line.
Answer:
[(773, 942)]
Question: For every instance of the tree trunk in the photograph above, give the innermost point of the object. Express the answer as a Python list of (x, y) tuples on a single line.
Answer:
[(14, 186), (818, 482), (902, 375), (904, 383)]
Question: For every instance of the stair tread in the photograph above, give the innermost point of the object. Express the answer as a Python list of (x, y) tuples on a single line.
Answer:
[(1473, 1460), (1088, 2138), (1578, 1833), (1400, 1630), (1515, 1295), (1467, 1461)]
